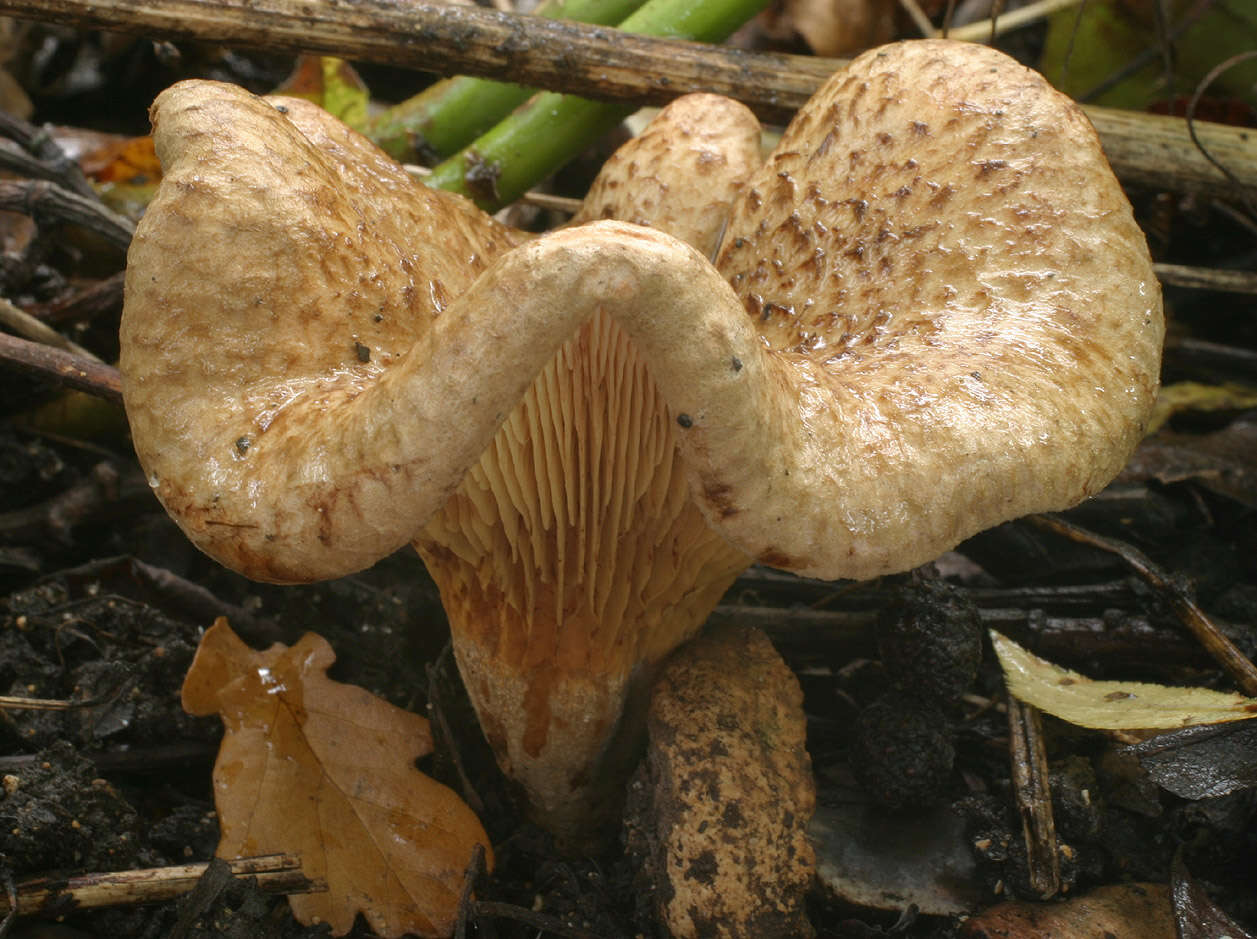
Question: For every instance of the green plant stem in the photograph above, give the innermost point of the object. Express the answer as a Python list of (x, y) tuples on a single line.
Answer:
[(455, 111), (550, 129)]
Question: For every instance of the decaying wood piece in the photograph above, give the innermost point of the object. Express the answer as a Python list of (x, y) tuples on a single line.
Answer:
[(597, 62), (719, 810)]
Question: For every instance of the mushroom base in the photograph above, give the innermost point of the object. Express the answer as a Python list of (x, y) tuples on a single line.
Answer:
[(569, 735)]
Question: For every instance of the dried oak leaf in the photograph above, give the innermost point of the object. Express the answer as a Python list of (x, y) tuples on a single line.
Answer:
[(1141, 910), (324, 770)]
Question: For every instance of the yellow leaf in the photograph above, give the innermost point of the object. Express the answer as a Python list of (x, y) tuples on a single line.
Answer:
[(1197, 396), (332, 84), (323, 770), (1112, 705)]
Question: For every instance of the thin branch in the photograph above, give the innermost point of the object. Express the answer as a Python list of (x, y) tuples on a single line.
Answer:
[(47, 202), (1207, 278), (9, 702), (275, 873), (85, 304), (106, 487), (432, 36), (599, 62), (65, 368), (983, 30), (36, 330), (1032, 788), (50, 161), (1232, 660), (918, 17), (1205, 82), (1211, 358)]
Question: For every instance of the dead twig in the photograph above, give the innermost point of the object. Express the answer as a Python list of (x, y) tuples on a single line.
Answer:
[(83, 305), (275, 873), (64, 368), (603, 63), (475, 867), (1211, 358), (18, 320), (96, 495), (132, 579), (984, 30), (436, 708), (1034, 797), (35, 153), (9, 702), (1232, 660), (1205, 82), (1207, 278), (47, 203)]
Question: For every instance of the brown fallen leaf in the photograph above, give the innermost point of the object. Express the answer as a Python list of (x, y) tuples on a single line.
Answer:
[(325, 771), (1222, 461), (1126, 910)]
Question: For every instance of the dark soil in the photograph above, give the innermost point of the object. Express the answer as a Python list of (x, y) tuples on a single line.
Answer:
[(102, 603)]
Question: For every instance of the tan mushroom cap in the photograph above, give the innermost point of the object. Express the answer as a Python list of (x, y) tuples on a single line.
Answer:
[(682, 172), (284, 267), (948, 276)]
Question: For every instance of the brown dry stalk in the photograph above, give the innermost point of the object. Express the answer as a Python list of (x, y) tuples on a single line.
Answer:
[(1032, 788), (275, 873), (1237, 665), (48, 203), (602, 63), (73, 371)]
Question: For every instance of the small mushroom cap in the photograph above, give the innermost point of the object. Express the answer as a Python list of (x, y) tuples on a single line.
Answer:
[(940, 257), (682, 173)]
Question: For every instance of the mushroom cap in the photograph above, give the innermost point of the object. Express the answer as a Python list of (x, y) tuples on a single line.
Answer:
[(682, 172), (948, 275), (283, 267), (948, 319)]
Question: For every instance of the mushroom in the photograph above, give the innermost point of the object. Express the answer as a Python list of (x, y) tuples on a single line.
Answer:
[(930, 311)]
